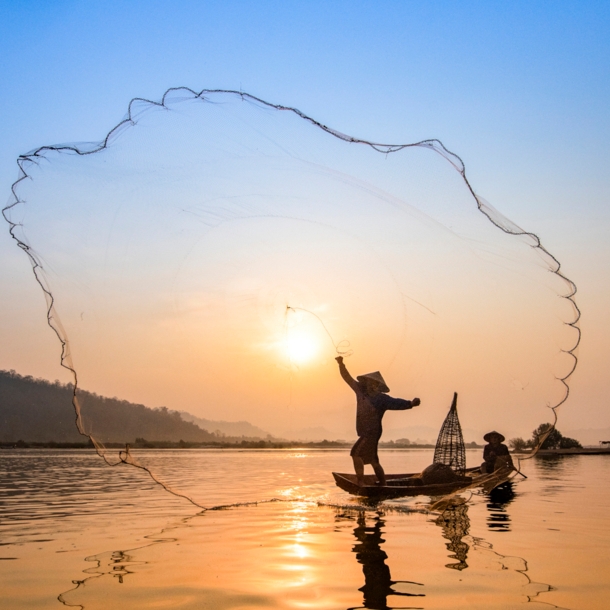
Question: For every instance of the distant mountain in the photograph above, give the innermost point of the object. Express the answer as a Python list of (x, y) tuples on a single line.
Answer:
[(35, 410), (229, 428)]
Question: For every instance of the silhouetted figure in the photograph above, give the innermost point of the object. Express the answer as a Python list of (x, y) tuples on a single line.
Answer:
[(495, 453), (377, 579), (371, 403)]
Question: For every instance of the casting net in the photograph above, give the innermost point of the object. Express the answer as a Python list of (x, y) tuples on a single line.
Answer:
[(214, 253)]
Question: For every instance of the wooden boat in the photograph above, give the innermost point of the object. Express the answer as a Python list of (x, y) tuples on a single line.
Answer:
[(449, 450), (400, 485)]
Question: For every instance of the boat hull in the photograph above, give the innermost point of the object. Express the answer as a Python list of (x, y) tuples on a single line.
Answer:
[(400, 485)]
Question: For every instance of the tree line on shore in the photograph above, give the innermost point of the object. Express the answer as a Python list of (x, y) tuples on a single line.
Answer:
[(554, 440)]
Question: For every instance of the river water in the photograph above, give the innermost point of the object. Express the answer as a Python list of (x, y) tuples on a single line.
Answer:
[(76, 532)]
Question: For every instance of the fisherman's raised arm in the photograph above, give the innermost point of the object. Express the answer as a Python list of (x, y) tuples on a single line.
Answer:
[(351, 382), (397, 404)]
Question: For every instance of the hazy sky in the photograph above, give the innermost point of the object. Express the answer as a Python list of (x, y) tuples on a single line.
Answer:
[(520, 91)]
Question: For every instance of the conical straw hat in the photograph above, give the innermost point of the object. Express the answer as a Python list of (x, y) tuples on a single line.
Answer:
[(376, 376), (488, 436)]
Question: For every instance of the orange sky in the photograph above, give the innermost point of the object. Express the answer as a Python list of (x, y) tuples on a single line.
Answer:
[(175, 255)]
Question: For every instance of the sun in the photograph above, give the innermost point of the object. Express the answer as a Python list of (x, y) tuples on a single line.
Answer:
[(300, 347)]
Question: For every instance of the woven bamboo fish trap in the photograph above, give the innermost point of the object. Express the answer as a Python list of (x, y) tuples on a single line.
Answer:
[(450, 448)]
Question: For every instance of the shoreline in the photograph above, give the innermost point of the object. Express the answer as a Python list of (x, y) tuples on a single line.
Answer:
[(276, 445), (218, 445), (575, 451)]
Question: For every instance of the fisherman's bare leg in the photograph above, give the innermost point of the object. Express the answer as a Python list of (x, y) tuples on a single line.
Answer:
[(379, 472), (359, 468)]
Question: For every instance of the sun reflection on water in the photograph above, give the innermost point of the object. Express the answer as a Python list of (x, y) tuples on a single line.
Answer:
[(298, 553)]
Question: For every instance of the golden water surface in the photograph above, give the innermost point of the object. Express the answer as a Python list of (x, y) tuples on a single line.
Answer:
[(79, 533)]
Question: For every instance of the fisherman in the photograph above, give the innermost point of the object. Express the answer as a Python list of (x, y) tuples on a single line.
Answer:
[(372, 402), (495, 453)]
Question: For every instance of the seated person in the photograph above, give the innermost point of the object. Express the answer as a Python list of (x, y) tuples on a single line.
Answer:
[(495, 453)]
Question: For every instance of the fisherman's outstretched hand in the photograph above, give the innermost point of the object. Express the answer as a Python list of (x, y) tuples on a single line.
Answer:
[(416, 402), (339, 359)]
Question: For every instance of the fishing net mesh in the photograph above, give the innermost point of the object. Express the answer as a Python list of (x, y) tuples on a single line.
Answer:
[(214, 252)]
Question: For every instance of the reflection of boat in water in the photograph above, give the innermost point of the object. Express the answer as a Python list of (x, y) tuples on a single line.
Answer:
[(401, 485), (456, 524), (499, 498)]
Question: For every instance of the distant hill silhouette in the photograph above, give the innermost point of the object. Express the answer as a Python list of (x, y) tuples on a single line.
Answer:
[(229, 428), (36, 410)]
